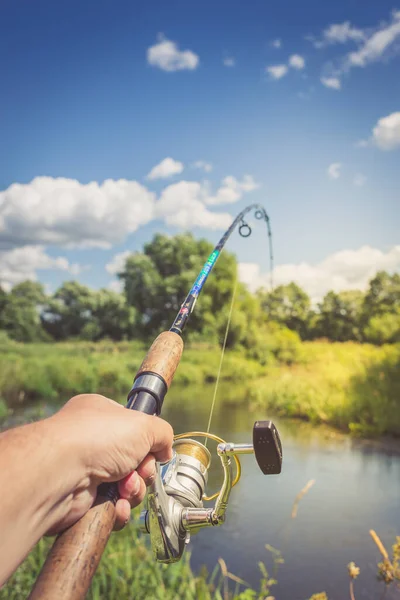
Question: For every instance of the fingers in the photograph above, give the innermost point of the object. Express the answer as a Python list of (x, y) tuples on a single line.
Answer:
[(132, 488), (161, 437), (147, 469), (123, 513)]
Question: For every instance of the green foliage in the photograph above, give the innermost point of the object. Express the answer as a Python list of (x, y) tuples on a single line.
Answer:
[(383, 328), (69, 311), (383, 294), (20, 312), (3, 409), (288, 305), (348, 385), (338, 316), (128, 570), (157, 281)]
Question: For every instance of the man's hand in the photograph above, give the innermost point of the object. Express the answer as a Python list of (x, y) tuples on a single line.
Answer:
[(50, 470), (113, 444)]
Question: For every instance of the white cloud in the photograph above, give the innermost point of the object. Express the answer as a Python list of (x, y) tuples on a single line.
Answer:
[(277, 71), (341, 33), (203, 165), (276, 43), (372, 44), (117, 262), (334, 170), (65, 212), (166, 168), (376, 45), (331, 82), (229, 62), (297, 62), (359, 179), (362, 144), (167, 56), (20, 264), (232, 190), (183, 204), (115, 266), (344, 270), (386, 133)]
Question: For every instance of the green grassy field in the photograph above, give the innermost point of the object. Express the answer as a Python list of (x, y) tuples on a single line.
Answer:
[(128, 570), (351, 386)]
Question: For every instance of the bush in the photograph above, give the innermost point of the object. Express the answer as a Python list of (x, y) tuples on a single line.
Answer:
[(383, 329)]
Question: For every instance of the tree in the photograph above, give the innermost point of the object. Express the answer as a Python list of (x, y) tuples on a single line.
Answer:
[(3, 302), (68, 311), (111, 316), (381, 309), (339, 316), (383, 328), (20, 313), (157, 281), (288, 305), (383, 295)]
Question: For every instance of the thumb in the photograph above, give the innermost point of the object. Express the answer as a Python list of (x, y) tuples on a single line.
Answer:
[(159, 434)]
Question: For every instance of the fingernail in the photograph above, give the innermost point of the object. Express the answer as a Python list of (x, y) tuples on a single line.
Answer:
[(150, 479), (136, 486)]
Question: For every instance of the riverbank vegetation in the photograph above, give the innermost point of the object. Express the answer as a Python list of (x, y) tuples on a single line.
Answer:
[(128, 570), (354, 387), (335, 361)]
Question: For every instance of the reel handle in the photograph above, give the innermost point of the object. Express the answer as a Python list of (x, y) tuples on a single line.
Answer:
[(267, 447)]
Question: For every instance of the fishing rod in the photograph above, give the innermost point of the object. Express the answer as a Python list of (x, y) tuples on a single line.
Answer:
[(175, 500)]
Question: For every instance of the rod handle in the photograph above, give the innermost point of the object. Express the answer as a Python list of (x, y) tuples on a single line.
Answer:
[(163, 356), (75, 555)]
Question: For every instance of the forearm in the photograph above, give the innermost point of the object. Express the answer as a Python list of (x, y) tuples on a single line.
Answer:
[(37, 474)]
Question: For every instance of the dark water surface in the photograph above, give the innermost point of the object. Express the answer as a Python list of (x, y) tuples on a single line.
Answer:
[(357, 488)]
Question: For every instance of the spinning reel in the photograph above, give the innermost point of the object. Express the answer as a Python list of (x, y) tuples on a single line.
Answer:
[(175, 499)]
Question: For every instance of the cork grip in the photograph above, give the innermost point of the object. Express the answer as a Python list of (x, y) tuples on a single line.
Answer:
[(163, 356), (75, 555)]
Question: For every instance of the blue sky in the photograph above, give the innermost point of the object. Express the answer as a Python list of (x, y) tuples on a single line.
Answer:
[(303, 117)]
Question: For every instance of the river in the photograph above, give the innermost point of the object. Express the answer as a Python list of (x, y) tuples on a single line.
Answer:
[(357, 488)]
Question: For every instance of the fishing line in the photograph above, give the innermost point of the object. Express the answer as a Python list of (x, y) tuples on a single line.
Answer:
[(222, 357)]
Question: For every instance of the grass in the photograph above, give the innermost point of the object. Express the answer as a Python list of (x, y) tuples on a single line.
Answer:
[(128, 570), (37, 371), (351, 386)]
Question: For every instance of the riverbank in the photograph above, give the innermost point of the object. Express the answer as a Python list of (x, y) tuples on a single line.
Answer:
[(354, 387)]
